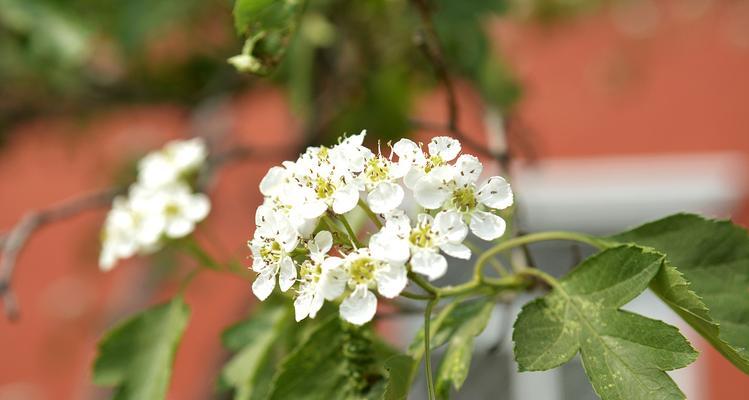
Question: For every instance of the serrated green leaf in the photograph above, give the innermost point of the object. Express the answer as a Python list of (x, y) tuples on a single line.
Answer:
[(137, 355), (625, 355), (253, 339), (465, 322), (323, 367), (707, 278)]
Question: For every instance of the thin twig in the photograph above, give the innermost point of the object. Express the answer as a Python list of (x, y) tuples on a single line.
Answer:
[(429, 43), (17, 237), (13, 242)]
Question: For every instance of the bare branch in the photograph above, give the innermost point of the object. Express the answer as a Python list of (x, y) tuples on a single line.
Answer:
[(429, 43), (17, 237), (13, 242)]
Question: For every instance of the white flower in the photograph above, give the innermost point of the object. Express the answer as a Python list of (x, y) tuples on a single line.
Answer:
[(274, 240), (380, 176), (322, 182), (367, 270), (321, 277), (442, 149), (171, 211), (423, 242), (278, 187), (454, 188), (119, 234), (171, 163)]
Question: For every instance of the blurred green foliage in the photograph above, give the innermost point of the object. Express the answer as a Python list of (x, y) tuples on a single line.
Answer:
[(346, 65)]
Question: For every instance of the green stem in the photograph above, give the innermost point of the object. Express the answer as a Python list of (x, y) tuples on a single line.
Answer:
[(498, 266), (424, 284), (349, 230), (552, 281), (427, 347), (415, 296), (534, 237), (205, 260), (371, 214)]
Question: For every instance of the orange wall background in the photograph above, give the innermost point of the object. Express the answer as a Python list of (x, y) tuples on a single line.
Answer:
[(595, 86)]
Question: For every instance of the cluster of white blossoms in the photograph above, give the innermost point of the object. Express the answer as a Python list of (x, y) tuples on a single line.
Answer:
[(300, 240), (161, 204)]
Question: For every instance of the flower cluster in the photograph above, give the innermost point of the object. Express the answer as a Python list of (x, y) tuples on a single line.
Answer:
[(161, 204), (303, 237)]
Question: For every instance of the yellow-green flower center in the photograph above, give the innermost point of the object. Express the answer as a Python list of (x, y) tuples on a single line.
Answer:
[(464, 199), (324, 188), (171, 210), (362, 270), (433, 161), (310, 271), (272, 252), (421, 236), (376, 169)]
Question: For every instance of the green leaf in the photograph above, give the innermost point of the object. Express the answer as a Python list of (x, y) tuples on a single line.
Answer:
[(625, 355), (465, 322), (137, 355), (401, 371), (710, 289), (336, 361), (254, 340), (268, 25)]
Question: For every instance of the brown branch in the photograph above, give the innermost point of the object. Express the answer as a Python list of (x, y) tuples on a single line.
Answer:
[(429, 43), (15, 240)]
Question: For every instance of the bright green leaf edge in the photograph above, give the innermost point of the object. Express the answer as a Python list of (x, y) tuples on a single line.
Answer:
[(715, 304), (137, 355)]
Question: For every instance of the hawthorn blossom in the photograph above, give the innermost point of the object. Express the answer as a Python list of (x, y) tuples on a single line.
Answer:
[(454, 188), (160, 205), (442, 149), (176, 159), (367, 270), (423, 242), (301, 195), (380, 177), (274, 240), (321, 277)]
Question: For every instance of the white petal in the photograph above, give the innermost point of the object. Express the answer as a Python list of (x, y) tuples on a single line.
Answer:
[(315, 305), (457, 250), (313, 208), (468, 169), (496, 193), (385, 245), (385, 197), (487, 226), (391, 280), (430, 193), (413, 176), (272, 181), (179, 227), (398, 222), (333, 280), (197, 207), (302, 305), (323, 242), (445, 147), (287, 274), (429, 263), (107, 259), (263, 285), (345, 199), (360, 307), (450, 226)]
